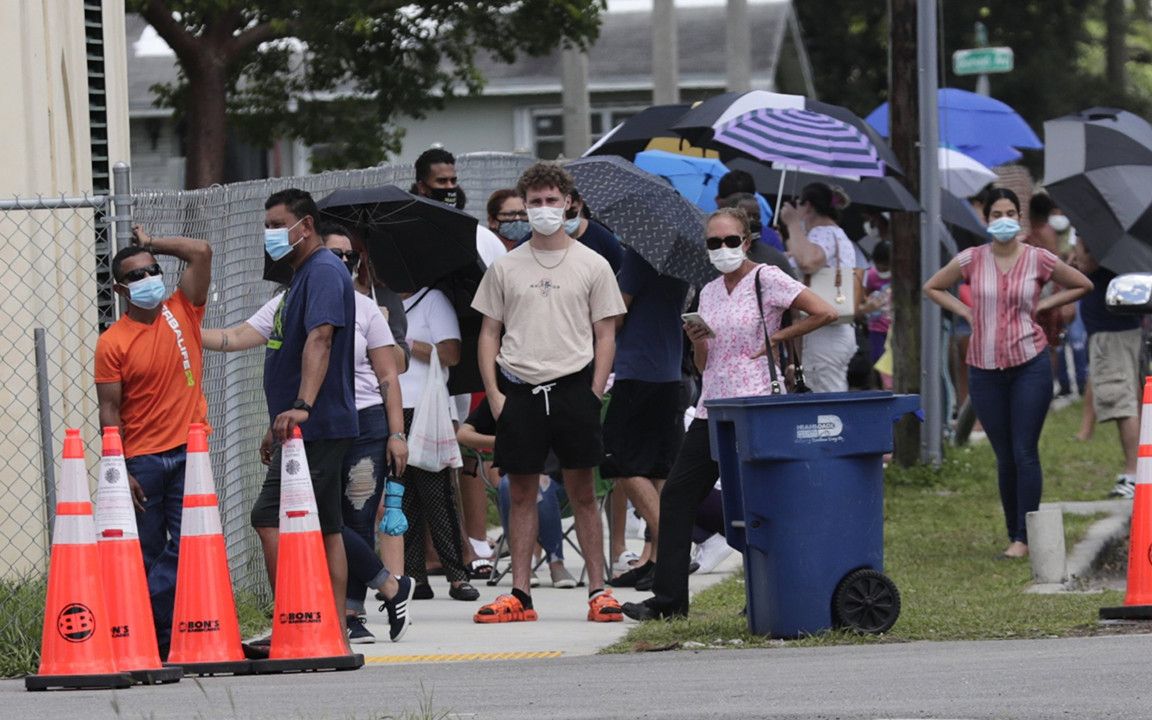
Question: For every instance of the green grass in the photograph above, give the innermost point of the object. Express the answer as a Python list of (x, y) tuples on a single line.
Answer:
[(943, 532)]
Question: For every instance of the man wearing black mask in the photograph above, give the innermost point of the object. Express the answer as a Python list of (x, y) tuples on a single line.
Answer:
[(436, 179)]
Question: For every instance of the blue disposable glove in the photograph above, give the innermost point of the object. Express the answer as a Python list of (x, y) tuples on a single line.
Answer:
[(394, 522)]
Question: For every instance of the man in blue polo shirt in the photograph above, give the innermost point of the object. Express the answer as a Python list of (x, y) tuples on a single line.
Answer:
[(308, 376)]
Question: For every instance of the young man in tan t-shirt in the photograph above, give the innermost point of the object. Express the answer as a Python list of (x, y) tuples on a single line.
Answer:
[(555, 301)]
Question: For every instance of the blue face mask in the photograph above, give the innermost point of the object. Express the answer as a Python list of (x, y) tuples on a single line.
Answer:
[(147, 293), (516, 230), (571, 226), (276, 242), (1004, 229)]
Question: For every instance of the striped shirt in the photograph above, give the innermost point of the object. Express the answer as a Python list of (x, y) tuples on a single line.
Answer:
[(1004, 328)]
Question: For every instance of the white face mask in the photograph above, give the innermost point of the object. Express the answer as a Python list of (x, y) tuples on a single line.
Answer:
[(546, 220), (870, 230), (727, 259), (1059, 223)]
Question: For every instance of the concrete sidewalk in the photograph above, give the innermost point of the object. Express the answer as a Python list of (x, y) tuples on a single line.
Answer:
[(443, 630)]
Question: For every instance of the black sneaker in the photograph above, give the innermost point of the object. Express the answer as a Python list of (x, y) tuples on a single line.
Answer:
[(257, 649), (630, 577), (397, 608), (639, 611), (357, 633), (464, 592), (423, 591), (644, 582)]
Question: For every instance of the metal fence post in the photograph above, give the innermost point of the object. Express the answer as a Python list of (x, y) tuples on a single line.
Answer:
[(47, 456), (122, 204)]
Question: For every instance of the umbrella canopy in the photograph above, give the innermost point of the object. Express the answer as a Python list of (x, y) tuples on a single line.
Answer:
[(881, 192), (966, 227), (1098, 166), (412, 241), (799, 118), (696, 178), (961, 175), (647, 214), (981, 127), (634, 134)]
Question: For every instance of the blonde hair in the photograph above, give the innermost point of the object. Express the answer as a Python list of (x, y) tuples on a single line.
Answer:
[(736, 214)]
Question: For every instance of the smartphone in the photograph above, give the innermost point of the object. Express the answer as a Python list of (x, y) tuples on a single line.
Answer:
[(693, 318)]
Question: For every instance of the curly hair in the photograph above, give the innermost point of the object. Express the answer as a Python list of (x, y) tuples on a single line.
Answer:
[(544, 175)]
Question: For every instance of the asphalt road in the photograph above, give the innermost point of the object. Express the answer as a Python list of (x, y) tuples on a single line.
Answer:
[(1102, 677)]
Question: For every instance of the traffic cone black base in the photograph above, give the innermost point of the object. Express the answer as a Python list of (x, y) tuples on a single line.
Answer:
[(314, 664), (157, 676), (1127, 612), (109, 681), (204, 669)]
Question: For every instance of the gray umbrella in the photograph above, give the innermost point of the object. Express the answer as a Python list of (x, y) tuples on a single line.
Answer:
[(647, 214), (1098, 166)]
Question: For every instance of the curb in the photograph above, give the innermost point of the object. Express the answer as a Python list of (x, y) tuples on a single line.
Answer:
[(1084, 556)]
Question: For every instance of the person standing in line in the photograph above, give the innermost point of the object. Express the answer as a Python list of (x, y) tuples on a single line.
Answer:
[(149, 383), (308, 378), (546, 348), (1010, 376)]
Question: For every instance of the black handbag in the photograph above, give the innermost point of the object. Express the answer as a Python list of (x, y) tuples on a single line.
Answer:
[(791, 353)]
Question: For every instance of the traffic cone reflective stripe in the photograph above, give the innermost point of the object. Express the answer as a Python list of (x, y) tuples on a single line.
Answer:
[(122, 562), (205, 630), (76, 642), (307, 631)]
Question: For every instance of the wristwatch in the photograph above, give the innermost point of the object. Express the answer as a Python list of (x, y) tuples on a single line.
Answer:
[(301, 405), (398, 436)]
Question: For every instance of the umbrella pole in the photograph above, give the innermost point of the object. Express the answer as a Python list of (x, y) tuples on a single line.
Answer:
[(779, 198)]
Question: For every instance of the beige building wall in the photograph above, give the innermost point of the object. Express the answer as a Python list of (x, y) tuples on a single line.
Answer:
[(47, 261)]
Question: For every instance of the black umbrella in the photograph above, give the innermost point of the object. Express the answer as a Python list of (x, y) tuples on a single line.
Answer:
[(887, 192), (634, 134), (412, 241), (648, 215), (1098, 167)]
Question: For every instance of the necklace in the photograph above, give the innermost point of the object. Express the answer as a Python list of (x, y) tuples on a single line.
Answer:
[(558, 263)]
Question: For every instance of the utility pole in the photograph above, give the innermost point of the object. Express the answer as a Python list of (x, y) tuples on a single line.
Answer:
[(577, 108), (665, 53), (903, 118), (931, 381), (739, 60)]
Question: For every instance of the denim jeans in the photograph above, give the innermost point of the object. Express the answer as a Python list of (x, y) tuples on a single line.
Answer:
[(161, 477), (1012, 404), (365, 472), (1077, 338), (548, 506)]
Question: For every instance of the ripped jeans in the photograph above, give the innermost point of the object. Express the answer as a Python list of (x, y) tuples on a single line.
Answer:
[(365, 470)]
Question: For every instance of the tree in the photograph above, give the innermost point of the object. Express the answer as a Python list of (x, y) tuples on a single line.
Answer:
[(338, 71)]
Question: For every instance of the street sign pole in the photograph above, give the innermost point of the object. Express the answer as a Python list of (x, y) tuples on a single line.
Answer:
[(931, 331)]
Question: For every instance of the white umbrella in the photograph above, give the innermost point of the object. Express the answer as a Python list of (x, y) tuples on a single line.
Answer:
[(961, 175)]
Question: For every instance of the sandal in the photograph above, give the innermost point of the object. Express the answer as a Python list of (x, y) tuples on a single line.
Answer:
[(481, 569)]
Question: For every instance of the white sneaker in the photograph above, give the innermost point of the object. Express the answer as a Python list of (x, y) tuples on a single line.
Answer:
[(711, 553), (624, 563), (1125, 487)]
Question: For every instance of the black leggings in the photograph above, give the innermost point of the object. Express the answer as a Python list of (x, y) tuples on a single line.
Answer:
[(429, 500)]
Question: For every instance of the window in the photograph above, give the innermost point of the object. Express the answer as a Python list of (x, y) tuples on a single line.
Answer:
[(548, 127)]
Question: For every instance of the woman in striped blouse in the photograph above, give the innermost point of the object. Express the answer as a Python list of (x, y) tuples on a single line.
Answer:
[(1010, 378)]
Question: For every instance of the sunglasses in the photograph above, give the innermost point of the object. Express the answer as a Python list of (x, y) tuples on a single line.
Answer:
[(511, 216), (730, 241), (350, 256), (140, 273)]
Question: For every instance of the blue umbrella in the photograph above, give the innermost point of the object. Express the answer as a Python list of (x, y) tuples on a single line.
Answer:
[(983, 128), (696, 178)]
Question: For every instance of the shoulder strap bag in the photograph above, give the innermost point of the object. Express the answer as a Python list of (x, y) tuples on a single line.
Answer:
[(831, 285)]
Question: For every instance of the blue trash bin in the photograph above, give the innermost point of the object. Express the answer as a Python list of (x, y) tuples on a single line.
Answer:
[(803, 486)]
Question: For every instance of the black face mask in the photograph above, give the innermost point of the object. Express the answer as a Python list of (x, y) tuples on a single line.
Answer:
[(448, 196)]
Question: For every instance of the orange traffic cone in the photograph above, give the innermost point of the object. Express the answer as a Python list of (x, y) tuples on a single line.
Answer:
[(76, 645), (205, 631), (307, 632), (1138, 601), (125, 585)]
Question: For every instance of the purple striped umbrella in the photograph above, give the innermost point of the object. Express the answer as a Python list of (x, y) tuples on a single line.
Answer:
[(796, 138)]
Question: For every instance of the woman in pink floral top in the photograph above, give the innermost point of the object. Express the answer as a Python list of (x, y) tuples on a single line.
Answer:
[(729, 351)]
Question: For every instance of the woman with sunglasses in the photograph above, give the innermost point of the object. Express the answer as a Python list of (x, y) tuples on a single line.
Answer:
[(815, 241), (737, 310), (367, 463)]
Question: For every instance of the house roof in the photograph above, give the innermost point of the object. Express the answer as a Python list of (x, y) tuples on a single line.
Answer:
[(621, 58)]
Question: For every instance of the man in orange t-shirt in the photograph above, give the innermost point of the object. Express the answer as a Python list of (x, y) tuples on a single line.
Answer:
[(149, 372)]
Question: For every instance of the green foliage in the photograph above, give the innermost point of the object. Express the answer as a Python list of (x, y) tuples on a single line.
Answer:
[(943, 532), (21, 622), (380, 59)]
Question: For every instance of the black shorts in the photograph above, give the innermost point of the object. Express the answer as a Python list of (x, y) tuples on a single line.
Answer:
[(564, 419), (326, 465), (642, 429)]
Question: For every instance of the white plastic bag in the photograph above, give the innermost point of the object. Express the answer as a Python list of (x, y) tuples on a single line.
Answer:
[(432, 443)]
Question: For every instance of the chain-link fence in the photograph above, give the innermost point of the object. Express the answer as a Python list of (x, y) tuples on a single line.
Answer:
[(55, 265)]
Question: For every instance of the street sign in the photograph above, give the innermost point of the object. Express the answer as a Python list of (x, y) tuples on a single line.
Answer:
[(983, 61)]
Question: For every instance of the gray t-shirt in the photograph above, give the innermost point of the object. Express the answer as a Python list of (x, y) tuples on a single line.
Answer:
[(548, 302)]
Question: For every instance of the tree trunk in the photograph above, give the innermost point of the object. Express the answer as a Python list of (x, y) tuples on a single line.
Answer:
[(903, 116), (207, 123), (1115, 46)]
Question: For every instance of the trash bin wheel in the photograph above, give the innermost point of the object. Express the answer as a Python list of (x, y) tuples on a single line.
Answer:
[(866, 601)]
